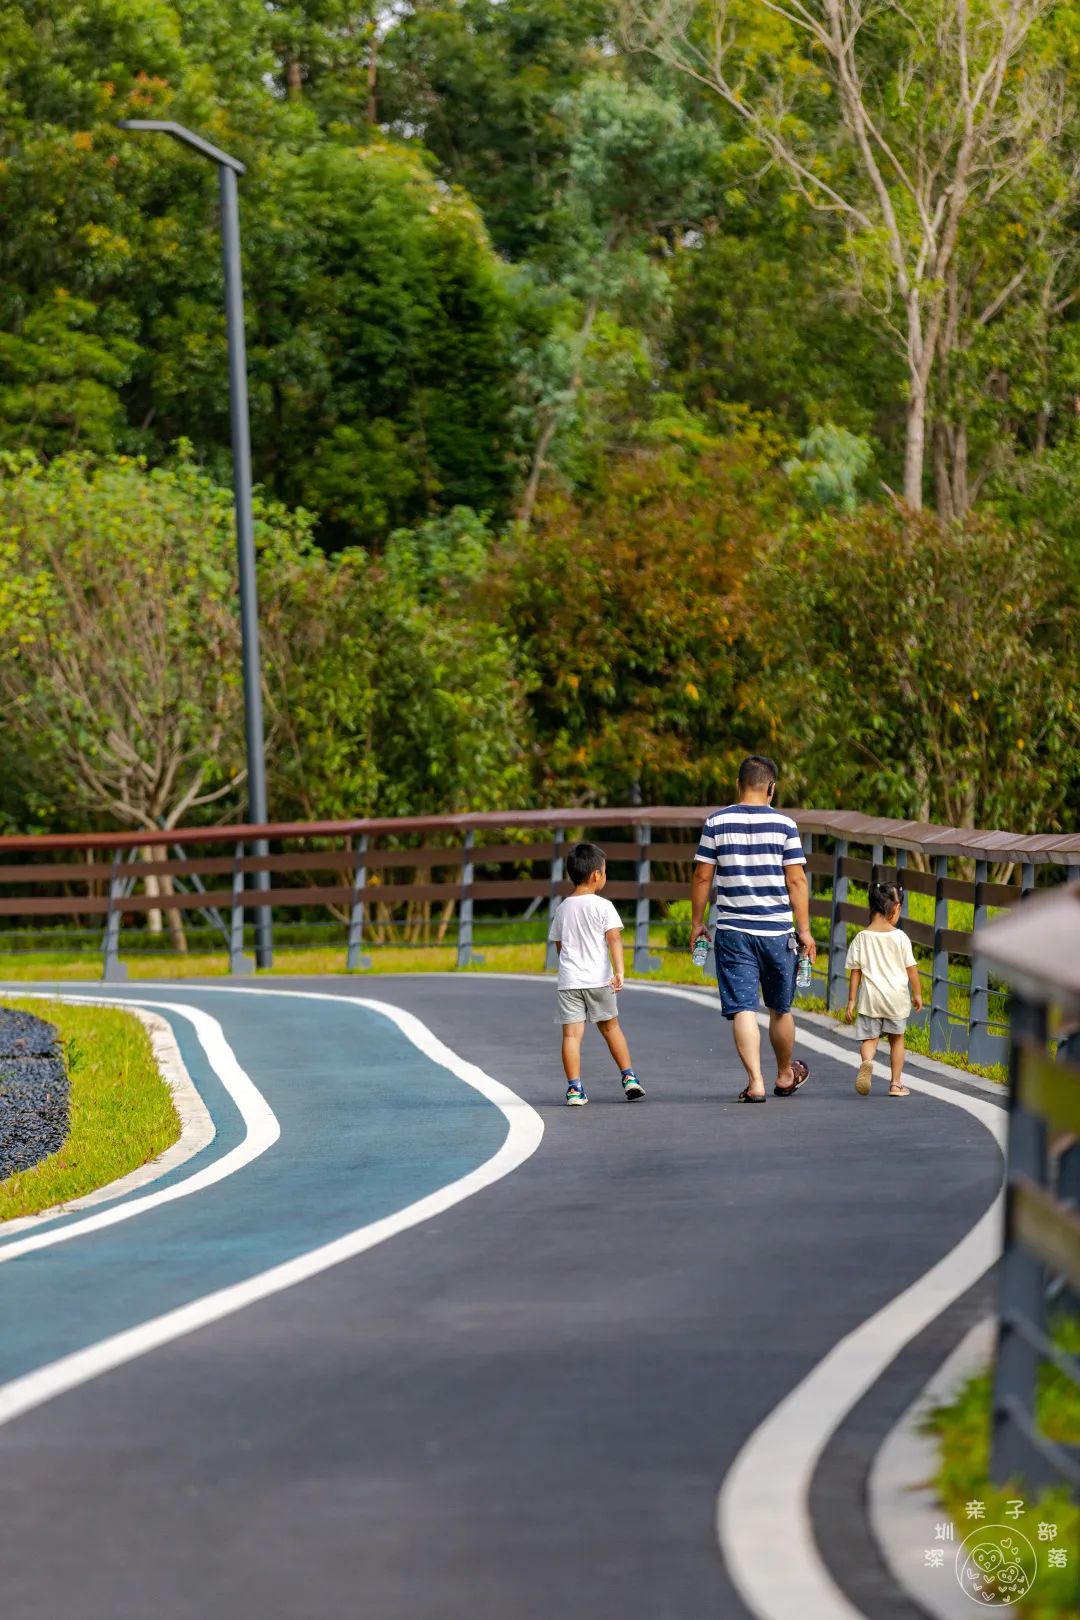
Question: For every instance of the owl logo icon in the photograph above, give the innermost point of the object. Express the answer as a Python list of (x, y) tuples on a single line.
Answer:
[(996, 1564)]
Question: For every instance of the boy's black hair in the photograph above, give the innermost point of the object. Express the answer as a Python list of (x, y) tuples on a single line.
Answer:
[(883, 898), (583, 859), (757, 771)]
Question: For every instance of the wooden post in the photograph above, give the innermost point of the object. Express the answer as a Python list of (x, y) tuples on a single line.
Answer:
[(644, 961), (836, 977), (1021, 1275), (238, 962), (355, 958), (551, 955), (939, 983), (113, 970), (980, 1043), (465, 952)]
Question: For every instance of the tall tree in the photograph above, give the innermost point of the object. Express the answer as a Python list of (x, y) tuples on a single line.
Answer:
[(908, 121)]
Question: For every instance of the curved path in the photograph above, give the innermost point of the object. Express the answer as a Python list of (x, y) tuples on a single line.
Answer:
[(521, 1408)]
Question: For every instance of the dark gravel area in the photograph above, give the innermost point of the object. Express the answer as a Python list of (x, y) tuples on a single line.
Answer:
[(33, 1091)]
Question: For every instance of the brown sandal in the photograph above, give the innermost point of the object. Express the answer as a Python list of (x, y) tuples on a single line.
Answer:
[(901, 1092), (802, 1075)]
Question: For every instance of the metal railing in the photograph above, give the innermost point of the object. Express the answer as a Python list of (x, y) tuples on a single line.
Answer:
[(1038, 952), (356, 877)]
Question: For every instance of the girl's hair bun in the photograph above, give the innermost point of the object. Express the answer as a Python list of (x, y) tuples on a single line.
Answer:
[(884, 898)]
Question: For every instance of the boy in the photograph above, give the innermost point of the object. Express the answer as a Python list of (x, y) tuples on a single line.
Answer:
[(587, 931)]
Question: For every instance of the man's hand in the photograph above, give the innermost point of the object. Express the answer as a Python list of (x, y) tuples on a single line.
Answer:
[(807, 944), (699, 931), (616, 982)]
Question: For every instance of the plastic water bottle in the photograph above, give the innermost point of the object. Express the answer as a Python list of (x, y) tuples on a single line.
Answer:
[(700, 953), (804, 973)]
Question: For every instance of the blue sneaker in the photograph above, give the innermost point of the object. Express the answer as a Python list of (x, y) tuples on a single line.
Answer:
[(632, 1086), (575, 1094)]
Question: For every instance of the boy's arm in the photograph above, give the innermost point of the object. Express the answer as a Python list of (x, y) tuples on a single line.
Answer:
[(853, 992), (915, 981), (615, 951)]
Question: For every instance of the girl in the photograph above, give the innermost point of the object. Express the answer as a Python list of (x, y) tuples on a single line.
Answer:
[(885, 984)]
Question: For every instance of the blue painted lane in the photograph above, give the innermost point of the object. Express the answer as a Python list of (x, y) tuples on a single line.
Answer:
[(368, 1126)]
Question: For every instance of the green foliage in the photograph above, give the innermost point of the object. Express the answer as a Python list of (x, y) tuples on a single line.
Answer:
[(627, 612), (829, 467), (677, 932), (920, 669), (382, 343)]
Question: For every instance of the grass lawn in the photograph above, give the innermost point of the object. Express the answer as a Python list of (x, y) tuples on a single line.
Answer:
[(121, 1109), (962, 1429)]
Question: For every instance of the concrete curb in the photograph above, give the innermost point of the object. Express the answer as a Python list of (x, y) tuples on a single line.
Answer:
[(902, 1505), (197, 1129)]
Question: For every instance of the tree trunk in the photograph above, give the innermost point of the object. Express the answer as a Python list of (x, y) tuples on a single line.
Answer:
[(915, 445), (153, 888), (174, 918), (372, 80), (551, 426), (293, 78)]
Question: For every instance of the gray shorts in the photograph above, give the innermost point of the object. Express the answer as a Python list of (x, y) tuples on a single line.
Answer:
[(587, 1006), (872, 1029)]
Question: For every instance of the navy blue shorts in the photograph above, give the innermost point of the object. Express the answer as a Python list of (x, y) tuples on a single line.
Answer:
[(745, 961)]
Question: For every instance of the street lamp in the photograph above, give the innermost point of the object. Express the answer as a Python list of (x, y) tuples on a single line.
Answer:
[(228, 169)]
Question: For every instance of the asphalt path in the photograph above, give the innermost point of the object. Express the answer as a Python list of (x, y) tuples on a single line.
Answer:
[(521, 1408)]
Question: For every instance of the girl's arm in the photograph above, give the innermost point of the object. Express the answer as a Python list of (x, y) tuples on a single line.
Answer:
[(853, 993), (615, 951), (915, 981)]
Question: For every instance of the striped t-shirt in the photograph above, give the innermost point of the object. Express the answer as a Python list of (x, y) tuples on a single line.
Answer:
[(750, 844)]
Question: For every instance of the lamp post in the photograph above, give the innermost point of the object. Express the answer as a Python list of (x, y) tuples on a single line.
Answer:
[(228, 168)]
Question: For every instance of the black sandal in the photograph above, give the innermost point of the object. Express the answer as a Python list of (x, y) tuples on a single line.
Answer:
[(802, 1075), (744, 1096)]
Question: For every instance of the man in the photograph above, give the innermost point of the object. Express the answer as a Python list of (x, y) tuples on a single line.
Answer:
[(763, 921)]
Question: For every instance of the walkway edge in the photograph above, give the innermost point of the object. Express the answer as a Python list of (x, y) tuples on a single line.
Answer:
[(525, 1129), (903, 1506), (197, 1129)]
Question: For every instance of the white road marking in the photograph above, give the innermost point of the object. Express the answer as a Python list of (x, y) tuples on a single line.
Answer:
[(261, 1131), (763, 1510), (525, 1129), (197, 1129)]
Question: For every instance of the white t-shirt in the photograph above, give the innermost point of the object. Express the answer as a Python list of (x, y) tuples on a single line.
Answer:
[(581, 924), (884, 956)]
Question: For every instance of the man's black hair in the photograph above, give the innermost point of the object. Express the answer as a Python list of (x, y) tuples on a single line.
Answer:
[(583, 859), (757, 772)]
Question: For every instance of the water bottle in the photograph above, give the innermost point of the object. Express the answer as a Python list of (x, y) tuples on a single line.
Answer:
[(700, 953), (804, 973)]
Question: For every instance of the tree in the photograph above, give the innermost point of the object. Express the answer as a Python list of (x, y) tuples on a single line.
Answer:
[(920, 669), (637, 177), (125, 692), (627, 609), (939, 112)]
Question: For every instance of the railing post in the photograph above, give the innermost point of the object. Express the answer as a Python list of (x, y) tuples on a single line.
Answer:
[(1021, 1278), (877, 861), (939, 979), (1027, 879), (465, 952), (836, 976), (113, 970), (354, 957), (644, 961), (807, 840), (551, 955), (980, 1043), (238, 962), (901, 868)]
